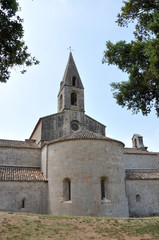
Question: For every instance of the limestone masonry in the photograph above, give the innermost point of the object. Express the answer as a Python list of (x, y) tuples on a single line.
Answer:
[(69, 166)]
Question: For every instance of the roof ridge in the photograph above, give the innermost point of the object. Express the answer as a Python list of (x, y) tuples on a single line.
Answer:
[(83, 134)]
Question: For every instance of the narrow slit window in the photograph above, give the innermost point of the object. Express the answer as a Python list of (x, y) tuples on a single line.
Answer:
[(102, 188), (61, 99), (67, 189), (74, 98), (74, 81), (23, 203)]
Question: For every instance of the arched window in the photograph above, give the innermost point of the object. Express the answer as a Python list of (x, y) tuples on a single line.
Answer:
[(103, 184), (67, 189), (74, 98), (138, 198), (61, 99), (74, 81)]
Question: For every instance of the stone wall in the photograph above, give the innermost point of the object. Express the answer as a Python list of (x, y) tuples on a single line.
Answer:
[(66, 95), (20, 157), (84, 163), (94, 126), (44, 161), (143, 197), (59, 125), (52, 127), (141, 161), (23, 196), (37, 132)]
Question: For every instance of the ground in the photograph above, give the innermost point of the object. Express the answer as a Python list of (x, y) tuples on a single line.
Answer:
[(19, 226)]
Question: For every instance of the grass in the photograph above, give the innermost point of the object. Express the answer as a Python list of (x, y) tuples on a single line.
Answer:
[(20, 226)]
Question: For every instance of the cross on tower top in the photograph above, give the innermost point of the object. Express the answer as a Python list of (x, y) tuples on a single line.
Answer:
[(70, 49)]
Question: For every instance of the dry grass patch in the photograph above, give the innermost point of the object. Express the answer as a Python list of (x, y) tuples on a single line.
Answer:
[(19, 226)]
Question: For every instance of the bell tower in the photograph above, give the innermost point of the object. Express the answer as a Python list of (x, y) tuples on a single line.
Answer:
[(137, 142), (71, 94)]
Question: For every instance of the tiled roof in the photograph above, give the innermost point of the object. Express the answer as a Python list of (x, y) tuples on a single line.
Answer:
[(84, 134), (138, 151), (20, 174), (142, 174), (18, 144)]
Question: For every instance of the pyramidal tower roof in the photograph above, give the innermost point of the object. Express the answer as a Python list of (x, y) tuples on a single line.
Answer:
[(71, 71), (71, 94)]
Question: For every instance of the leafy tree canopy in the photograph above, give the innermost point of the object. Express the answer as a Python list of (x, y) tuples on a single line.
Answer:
[(13, 51), (139, 58)]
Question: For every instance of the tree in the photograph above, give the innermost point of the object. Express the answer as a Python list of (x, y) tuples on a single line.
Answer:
[(139, 58), (13, 51)]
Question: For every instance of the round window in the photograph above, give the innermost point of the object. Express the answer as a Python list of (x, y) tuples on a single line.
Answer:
[(74, 126)]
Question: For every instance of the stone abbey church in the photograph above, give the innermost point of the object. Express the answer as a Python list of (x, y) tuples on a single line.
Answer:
[(69, 167)]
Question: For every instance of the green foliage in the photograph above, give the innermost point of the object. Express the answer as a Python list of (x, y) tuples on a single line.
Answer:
[(13, 51), (139, 58)]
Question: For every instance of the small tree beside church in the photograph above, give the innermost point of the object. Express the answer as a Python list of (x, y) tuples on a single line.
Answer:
[(139, 58), (13, 51)]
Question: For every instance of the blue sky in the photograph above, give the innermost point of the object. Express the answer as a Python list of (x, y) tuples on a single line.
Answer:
[(50, 28)]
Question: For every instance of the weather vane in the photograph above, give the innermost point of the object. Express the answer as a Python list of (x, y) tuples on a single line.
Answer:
[(70, 49)]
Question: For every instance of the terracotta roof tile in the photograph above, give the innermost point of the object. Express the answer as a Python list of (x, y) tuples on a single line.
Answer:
[(138, 151), (84, 134), (18, 144), (20, 174), (142, 174)]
